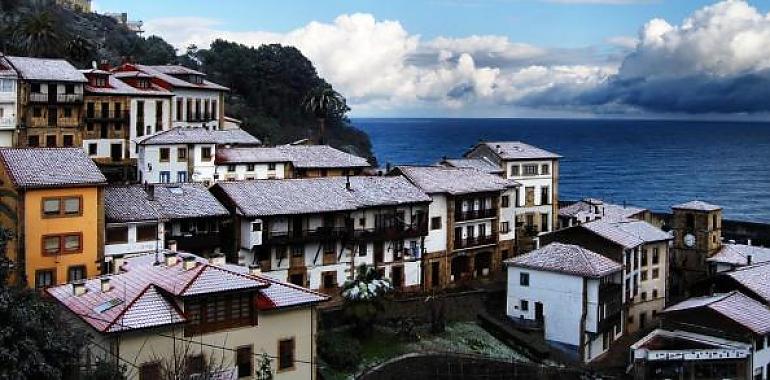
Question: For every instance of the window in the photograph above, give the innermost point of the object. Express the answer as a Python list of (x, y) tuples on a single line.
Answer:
[(655, 256), (329, 280), (280, 252), (250, 167), (362, 249), (92, 149), (56, 244), (181, 176), (644, 257), (36, 88), (147, 232), (67, 111), (165, 176), (37, 112), (524, 279), (298, 250), (644, 275), (544, 223), (116, 235), (655, 273), (545, 195), (69, 89), (164, 154), (505, 201), (286, 354), (150, 371), (545, 169), (524, 305), (644, 296), (50, 141), (514, 170), (654, 293), (179, 106), (181, 154), (72, 243), (230, 168), (256, 227), (206, 154), (760, 343), (209, 314), (271, 166), (45, 278), (435, 223), (530, 169), (62, 206), (33, 141), (244, 360), (76, 273), (505, 227)]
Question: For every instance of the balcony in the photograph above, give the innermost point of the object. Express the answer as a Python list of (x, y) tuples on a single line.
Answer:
[(7, 122), (8, 97), (69, 98), (475, 242), (397, 232), (475, 214), (38, 97), (107, 116), (299, 236)]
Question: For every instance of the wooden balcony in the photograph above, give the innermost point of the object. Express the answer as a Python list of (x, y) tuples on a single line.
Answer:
[(108, 116), (390, 233), (461, 216), (301, 236)]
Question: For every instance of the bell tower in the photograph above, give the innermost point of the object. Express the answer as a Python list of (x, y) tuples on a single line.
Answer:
[(697, 228)]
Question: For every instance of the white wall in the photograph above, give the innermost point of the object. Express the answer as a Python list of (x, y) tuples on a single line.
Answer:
[(149, 126), (104, 147), (134, 246), (260, 171), (437, 239), (562, 298), (150, 155), (8, 119), (185, 94)]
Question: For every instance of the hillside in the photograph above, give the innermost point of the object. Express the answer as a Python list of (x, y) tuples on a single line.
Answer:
[(267, 83)]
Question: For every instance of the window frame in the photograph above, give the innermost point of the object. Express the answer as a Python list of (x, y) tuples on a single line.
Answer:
[(164, 152), (238, 363), (181, 154), (435, 223), (107, 241), (61, 249), (145, 226), (279, 358), (206, 153), (52, 271), (524, 279), (80, 267), (62, 211)]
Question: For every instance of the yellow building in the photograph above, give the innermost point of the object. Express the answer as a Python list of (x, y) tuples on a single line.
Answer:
[(52, 200)]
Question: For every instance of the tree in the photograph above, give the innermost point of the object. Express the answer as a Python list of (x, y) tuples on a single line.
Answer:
[(156, 51), (363, 298), (39, 36), (323, 102)]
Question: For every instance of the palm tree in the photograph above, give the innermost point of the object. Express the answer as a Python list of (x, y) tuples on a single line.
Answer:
[(363, 298), (323, 101), (38, 35)]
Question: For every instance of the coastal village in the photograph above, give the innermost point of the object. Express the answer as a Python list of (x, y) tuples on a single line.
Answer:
[(135, 204)]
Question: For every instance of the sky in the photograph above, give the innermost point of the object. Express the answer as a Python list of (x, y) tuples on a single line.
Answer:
[(503, 58)]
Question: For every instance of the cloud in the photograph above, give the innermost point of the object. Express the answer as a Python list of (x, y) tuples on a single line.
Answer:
[(715, 61)]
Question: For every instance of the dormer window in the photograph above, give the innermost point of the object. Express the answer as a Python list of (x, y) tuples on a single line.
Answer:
[(195, 79), (99, 81), (143, 83)]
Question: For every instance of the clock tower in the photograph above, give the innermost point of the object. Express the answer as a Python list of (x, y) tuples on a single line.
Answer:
[(697, 228)]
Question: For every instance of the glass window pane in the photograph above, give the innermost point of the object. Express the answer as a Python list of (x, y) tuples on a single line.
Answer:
[(72, 206), (51, 206), (51, 244), (72, 243)]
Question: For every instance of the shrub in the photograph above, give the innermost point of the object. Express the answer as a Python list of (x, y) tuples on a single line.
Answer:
[(339, 350)]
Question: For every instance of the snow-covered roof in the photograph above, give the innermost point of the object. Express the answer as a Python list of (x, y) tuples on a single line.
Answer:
[(517, 150), (200, 135), (627, 233), (597, 209), (739, 254), (46, 69), (736, 306), (454, 181), (697, 206), (50, 167), (567, 259), (755, 278), (167, 201), (167, 74), (480, 164)]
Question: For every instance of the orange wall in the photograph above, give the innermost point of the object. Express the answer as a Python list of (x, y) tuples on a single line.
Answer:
[(35, 226)]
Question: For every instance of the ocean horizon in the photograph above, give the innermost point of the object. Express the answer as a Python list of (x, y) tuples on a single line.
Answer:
[(653, 163)]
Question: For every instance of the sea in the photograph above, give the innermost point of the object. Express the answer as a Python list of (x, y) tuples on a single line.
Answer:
[(650, 163)]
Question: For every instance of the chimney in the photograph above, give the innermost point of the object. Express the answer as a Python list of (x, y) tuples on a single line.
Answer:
[(188, 262), (218, 260), (105, 65), (387, 167), (499, 149), (150, 189), (748, 242), (172, 245), (171, 258), (347, 183), (748, 259), (255, 270), (117, 263), (79, 288), (105, 284)]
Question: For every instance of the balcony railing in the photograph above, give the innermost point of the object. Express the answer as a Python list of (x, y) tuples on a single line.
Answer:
[(475, 214), (475, 241), (107, 116), (7, 122), (38, 97), (69, 98), (294, 236), (397, 232)]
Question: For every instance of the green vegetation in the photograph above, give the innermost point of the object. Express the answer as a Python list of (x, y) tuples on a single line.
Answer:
[(363, 298), (268, 83)]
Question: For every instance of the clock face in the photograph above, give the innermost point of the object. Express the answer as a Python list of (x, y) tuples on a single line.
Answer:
[(689, 240)]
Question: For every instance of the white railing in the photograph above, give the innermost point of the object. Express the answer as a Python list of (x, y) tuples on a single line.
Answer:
[(7, 122)]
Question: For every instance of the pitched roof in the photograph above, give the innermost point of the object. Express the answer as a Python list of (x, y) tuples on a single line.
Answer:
[(45, 69), (318, 195), (250, 155), (735, 305), (517, 150), (479, 164), (146, 293), (50, 167), (320, 156), (755, 278), (696, 206), (166, 73), (168, 201), (738, 254), (567, 259), (440, 179), (608, 211), (200, 135), (6, 70), (115, 86), (627, 233)]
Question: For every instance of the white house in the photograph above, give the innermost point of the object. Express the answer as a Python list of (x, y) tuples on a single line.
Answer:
[(8, 102), (471, 216), (537, 171), (186, 154), (286, 161), (590, 209), (149, 109), (572, 293), (313, 232), (146, 218), (197, 102)]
